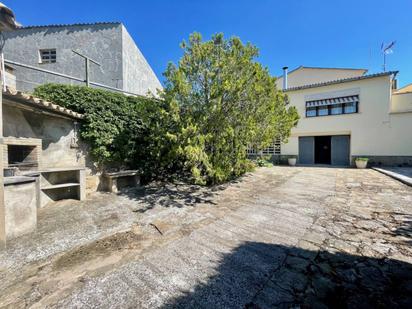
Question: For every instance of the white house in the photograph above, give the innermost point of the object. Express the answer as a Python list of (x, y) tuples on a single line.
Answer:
[(346, 113)]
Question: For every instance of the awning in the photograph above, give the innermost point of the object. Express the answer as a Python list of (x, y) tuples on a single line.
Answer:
[(334, 101)]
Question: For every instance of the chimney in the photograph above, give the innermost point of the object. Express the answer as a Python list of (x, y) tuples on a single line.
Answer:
[(285, 78)]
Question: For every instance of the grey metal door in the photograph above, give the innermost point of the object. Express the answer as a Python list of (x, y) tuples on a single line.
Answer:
[(307, 150), (340, 150)]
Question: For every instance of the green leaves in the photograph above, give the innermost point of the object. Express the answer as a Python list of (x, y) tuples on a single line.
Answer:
[(121, 130), (217, 100), (230, 100)]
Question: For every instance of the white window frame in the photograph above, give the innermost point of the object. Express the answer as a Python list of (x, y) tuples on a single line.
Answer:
[(46, 55), (274, 149)]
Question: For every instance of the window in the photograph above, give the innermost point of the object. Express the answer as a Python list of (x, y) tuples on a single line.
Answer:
[(47, 55), (336, 109), (272, 149), (310, 111), (335, 106), (277, 146), (323, 110), (350, 108), (251, 151)]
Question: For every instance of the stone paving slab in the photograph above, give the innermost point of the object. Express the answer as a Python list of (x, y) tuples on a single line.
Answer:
[(278, 238)]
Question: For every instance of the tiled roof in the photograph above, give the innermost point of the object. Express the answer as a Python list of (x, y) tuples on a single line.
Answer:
[(406, 89), (12, 94), (70, 25), (343, 80)]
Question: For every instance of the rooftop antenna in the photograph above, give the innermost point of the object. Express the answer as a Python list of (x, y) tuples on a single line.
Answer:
[(87, 65), (386, 50)]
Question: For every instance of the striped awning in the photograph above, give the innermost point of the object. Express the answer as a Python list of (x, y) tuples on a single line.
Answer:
[(333, 101)]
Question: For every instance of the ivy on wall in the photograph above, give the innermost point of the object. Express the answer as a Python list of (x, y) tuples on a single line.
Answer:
[(121, 130)]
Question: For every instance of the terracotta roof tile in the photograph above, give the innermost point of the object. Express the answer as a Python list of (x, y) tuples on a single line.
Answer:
[(39, 103)]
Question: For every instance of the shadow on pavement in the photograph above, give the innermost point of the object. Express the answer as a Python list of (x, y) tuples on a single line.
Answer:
[(171, 195), (259, 275)]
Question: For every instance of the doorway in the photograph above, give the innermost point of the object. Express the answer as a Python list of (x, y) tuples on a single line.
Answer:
[(323, 152)]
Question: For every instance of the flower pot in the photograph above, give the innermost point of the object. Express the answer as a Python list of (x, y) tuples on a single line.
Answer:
[(292, 161), (361, 163)]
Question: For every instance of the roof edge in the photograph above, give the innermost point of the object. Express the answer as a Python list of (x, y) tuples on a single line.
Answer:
[(68, 25), (11, 93), (402, 88), (343, 80)]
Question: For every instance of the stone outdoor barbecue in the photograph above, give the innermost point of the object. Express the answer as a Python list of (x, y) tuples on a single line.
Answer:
[(43, 159)]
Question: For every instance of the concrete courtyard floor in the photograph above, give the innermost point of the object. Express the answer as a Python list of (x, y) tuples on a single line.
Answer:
[(278, 237)]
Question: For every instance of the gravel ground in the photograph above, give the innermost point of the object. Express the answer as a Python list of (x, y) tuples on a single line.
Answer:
[(278, 237)]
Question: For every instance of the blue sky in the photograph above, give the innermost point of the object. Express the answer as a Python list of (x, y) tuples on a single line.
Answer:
[(298, 32)]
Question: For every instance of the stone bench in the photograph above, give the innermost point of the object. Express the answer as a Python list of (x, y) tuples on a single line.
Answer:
[(115, 181)]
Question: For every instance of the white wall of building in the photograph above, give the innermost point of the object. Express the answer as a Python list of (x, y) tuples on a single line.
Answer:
[(401, 102), (374, 130)]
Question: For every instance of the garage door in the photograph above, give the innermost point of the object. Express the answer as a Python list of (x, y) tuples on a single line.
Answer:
[(306, 150), (340, 145)]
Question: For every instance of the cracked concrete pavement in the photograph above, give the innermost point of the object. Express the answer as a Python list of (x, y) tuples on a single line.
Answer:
[(278, 237)]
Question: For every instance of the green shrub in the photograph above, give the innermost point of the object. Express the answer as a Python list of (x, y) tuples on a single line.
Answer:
[(216, 102), (134, 132), (230, 101), (261, 162)]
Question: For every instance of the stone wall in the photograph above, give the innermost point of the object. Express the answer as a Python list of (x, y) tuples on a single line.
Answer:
[(123, 66), (20, 209), (57, 135), (138, 76), (102, 42), (10, 80)]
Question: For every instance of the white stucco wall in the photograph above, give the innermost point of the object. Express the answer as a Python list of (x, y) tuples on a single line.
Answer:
[(402, 102), (374, 130)]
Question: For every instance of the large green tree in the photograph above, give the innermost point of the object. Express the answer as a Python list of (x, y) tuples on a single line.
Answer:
[(227, 101), (216, 102)]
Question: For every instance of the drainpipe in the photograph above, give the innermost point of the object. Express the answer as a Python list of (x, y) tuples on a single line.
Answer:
[(285, 78)]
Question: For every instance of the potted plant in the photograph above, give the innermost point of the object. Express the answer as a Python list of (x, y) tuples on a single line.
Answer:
[(361, 162), (292, 161)]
